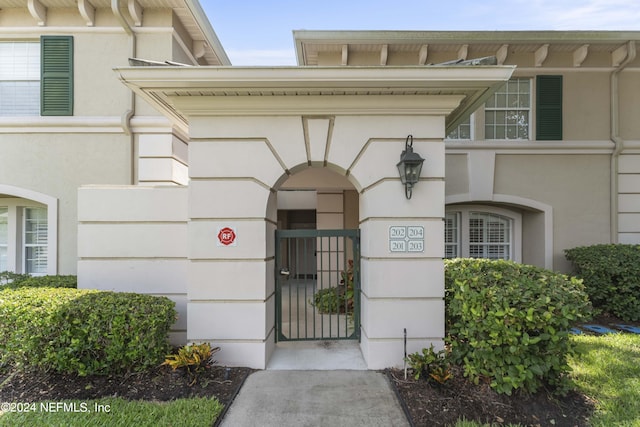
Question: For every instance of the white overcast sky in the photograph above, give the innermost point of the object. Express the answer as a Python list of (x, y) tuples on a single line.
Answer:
[(258, 32)]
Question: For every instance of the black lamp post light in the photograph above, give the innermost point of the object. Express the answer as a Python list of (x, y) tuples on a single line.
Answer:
[(409, 166)]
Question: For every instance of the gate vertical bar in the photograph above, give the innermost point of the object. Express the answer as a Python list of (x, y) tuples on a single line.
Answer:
[(278, 280)]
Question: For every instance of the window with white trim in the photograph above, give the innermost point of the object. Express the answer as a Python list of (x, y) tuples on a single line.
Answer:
[(482, 232), (464, 131), (24, 236), (489, 236), (36, 78), (19, 78), (508, 111)]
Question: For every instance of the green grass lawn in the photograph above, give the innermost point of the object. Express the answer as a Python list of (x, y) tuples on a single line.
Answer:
[(607, 369), (110, 412)]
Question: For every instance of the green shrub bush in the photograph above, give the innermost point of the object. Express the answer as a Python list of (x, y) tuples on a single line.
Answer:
[(508, 323), (83, 331), (611, 274), (7, 277), (16, 281)]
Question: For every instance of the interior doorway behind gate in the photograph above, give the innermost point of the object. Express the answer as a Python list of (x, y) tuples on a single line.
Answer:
[(317, 284)]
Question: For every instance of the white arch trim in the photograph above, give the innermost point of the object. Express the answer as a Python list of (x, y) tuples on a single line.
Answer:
[(52, 219), (546, 209)]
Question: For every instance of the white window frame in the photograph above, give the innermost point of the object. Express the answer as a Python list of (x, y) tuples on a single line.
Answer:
[(16, 199), (29, 72), (463, 213), (472, 125), (39, 247), (529, 109)]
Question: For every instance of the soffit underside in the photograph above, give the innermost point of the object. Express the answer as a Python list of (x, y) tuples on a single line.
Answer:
[(309, 49)]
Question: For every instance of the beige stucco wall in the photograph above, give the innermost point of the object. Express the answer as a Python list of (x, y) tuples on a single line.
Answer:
[(56, 165), (56, 155), (577, 186), (586, 105)]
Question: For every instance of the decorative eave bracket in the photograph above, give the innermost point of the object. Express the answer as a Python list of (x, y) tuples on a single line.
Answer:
[(580, 54), (541, 55), (345, 54), (422, 56), (619, 55), (88, 12), (38, 11), (384, 54), (135, 10), (501, 54)]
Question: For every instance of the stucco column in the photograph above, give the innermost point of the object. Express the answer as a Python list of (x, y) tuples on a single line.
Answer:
[(231, 286), (401, 288)]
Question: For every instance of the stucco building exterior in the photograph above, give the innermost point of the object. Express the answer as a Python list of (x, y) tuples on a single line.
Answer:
[(550, 158), (225, 188)]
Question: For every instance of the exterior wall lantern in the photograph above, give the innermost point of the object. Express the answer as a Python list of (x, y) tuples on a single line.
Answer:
[(409, 166)]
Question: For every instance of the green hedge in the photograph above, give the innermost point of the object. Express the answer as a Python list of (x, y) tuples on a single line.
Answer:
[(611, 274), (509, 323), (83, 331), (15, 281)]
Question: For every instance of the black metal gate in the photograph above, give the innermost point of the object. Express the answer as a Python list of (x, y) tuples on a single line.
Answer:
[(317, 284)]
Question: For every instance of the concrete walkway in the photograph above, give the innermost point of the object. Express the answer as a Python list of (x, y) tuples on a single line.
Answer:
[(315, 398)]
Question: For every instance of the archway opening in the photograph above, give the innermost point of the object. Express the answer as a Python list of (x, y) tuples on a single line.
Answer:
[(317, 262)]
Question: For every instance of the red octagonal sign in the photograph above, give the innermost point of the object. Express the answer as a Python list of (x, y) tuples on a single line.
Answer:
[(227, 236)]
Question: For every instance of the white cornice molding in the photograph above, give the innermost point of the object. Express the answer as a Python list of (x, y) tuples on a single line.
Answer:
[(531, 147), (76, 124), (257, 78), (316, 105), (178, 92), (87, 124)]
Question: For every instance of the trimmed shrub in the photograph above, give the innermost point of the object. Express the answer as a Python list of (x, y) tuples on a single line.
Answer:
[(7, 277), (611, 274), (509, 323), (83, 331), (26, 281)]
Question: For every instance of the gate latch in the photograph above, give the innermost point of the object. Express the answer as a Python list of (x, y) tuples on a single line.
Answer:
[(284, 271)]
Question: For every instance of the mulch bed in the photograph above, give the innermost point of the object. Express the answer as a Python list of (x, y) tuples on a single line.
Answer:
[(159, 384), (431, 404)]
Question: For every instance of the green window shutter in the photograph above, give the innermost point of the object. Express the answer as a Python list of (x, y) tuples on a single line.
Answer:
[(57, 76), (549, 108)]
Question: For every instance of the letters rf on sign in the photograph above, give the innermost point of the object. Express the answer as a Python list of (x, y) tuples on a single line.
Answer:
[(227, 236)]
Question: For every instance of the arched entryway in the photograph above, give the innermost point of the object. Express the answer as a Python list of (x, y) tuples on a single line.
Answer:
[(317, 257)]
